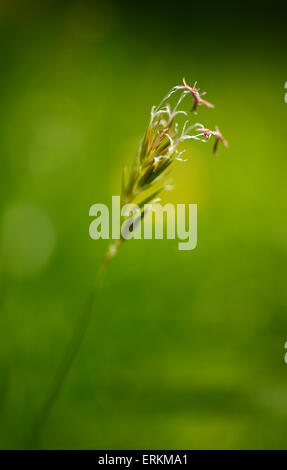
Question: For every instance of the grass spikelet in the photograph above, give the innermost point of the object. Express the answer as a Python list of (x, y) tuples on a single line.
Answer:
[(159, 147)]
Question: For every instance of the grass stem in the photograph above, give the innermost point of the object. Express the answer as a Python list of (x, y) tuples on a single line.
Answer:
[(71, 351)]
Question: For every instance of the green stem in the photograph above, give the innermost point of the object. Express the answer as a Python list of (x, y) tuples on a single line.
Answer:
[(72, 350)]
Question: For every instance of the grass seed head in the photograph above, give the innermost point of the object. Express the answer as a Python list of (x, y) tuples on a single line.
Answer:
[(159, 148)]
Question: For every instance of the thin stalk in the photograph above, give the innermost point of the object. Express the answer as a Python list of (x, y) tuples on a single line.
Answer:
[(72, 349)]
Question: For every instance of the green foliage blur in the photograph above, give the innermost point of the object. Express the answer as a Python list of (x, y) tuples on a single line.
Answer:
[(185, 349)]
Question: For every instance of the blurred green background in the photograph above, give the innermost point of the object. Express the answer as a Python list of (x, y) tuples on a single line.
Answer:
[(185, 349)]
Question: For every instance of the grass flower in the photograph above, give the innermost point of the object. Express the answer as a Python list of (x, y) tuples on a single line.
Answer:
[(160, 147), (198, 101), (207, 133)]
